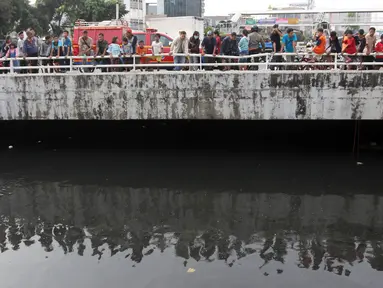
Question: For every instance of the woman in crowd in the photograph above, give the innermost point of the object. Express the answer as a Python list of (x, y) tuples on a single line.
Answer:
[(13, 53), (114, 50), (243, 46), (194, 44)]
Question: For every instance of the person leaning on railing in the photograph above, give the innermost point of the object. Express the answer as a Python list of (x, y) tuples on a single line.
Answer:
[(349, 47), (243, 46), (4, 51), (114, 50), (320, 44), (157, 49), (289, 43), (209, 46), (379, 49), (85, 44), (256, 44), (230, 48), (370, 47), (31, 49), (45, 51), (13, 53), (179, 46), (194, 44), (142, 51)]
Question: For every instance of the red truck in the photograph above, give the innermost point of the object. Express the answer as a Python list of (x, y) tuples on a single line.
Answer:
[(118, 29)]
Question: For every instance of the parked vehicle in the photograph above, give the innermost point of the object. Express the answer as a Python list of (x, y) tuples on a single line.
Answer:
[(112, 29), (172, 25)]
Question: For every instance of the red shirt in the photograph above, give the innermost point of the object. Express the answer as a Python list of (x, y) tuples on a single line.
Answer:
[(218, 45), (379, 49), (351, 47)]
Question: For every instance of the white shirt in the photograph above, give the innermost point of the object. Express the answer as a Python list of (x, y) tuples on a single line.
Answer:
[(157, 46), (20, 44)]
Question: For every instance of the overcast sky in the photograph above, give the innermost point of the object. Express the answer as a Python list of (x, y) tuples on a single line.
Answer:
[(224, 7)]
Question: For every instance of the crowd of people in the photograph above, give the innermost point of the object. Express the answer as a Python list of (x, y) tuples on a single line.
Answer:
[(250, 43)]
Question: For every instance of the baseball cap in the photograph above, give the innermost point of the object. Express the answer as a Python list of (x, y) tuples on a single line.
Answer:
[(209, 33), (129, 31)]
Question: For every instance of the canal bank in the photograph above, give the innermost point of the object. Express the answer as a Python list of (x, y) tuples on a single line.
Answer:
[(235, 95)]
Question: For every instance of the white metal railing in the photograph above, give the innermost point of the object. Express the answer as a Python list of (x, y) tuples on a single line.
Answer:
[(263, 60)]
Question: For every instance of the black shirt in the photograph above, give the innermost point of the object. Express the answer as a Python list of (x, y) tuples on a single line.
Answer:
[(275, 38), (209, 45), (229, 47), (362, 44), (4, 49), (102, 46)]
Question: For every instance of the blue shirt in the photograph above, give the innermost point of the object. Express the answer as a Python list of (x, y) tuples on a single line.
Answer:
[(288, 42), (243, 44), (56, 47), (67, 45), (30, 48), (114, 49)]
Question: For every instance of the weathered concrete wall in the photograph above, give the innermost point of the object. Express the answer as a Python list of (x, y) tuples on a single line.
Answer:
[(235, 95)]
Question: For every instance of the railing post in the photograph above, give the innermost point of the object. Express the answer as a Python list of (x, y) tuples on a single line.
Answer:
[(336, 62), (71, 63), (134, 63), (267, 62), (11, 66), (200, 62)]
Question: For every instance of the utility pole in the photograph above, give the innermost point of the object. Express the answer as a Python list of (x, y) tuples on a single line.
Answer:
[(117, 10), (310, 4)]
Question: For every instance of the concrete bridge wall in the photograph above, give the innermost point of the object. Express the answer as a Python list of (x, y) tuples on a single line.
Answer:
[(215, 95)]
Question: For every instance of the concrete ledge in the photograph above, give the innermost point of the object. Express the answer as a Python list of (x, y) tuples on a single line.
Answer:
[(194, 95)]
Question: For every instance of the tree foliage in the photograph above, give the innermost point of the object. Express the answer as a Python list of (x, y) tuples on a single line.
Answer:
[(15, 14), (54, 15)]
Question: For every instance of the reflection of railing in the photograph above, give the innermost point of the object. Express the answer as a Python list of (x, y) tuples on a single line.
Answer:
[(264, 60)]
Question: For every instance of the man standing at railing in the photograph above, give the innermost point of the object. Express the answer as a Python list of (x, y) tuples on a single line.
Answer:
[(45, 51), (66, 48), (209, 46), (85, 44), (289, 43), (20, 45), (218, 44), (349, 47), (179, 46), (370, 47), (230, 48), (101, 50), (275, 38), (320, 44), (31, 49), (256, 45)]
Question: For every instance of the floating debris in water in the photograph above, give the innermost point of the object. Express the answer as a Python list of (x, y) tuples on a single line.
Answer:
[(10, 147), (359, 163), (191, 270)]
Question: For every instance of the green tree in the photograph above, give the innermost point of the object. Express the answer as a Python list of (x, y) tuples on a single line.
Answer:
[(66, 12), (99, 10), (17, 15)]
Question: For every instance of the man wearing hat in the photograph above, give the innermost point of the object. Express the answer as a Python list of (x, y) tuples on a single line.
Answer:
[(256, 44), (209, 46)]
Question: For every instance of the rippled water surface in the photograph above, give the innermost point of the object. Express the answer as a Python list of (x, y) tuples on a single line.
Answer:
[(70, 219)]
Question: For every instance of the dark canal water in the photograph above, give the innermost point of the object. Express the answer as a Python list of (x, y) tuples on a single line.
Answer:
[(71, 218)]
